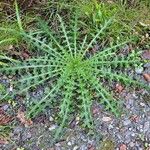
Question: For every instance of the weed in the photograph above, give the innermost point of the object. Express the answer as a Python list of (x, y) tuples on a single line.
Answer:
[(5, 133), (94, 15), (68, 70)]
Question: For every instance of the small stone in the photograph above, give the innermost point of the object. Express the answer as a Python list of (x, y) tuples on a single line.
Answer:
[(91, 147), (110, 126), (141, 130), (146, 126), (51, 118), (130, 103), (146, 54), (106, 119), (133, 134), (52, 127), (130, 129), (95, 110), (123, 147), (142, 104), (77, 120), (146, 76), (51, 149), (26, 136), (127, 140), (119, 88), (83, 138), (147, 65), (11, 88), (5, 107), (83, 147), (69, 143), (126, 122), (139, 70), (131, 144), (57, 145), (76, 147), (119, 136), (141, 126), (17, 130), (135, 118)]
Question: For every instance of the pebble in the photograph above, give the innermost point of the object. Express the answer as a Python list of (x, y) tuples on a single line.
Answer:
[(17, 130), (141, 126), (147, 65), (130, 129), (139, 70), (146, 126), (26, 136), (106, 119), (110, 126), (132, 144), (5, 107), (51, 118), (141, 130), (126, 122), (130, 103), (142, 104), (133, 134), (119, 136), (83, 138), (123, 147), (76, 148), (52, 127), (69, 143), (83, 147)]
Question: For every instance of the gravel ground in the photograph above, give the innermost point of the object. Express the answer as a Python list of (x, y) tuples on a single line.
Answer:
[(129, 132)]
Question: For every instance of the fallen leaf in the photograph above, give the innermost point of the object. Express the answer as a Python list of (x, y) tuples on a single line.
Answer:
[(22, 119), (135, 118), (4, 118), (3, 141), (146, 55), (91, 147), (123, 147), (25, 55), (95, 110), (119, 88), (106, 119), (146, 77)]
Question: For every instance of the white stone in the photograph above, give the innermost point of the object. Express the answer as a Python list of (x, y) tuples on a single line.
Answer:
[(69, 143), (132, 144), (75, 148), (106, 119), (142, 104), (52, 127), (139, 70)]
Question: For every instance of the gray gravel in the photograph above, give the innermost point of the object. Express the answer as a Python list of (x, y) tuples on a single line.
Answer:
[(131, 130)]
